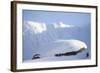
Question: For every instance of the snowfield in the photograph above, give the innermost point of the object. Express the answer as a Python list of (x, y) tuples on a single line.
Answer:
[(61, 46)]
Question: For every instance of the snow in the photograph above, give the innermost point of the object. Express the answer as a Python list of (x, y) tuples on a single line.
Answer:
[(62, 58), (61, 46)]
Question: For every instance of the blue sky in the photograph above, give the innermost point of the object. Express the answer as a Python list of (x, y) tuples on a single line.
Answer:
[(77, 26), (77, 19)]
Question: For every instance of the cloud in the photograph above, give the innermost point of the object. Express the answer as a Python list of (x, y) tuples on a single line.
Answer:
[(62, 25), (36, 27)]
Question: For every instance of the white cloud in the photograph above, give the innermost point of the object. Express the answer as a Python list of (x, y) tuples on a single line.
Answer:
[(36, 27), (62, 25)]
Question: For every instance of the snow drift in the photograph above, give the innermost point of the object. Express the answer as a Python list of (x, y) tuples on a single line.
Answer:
[(61, 46)]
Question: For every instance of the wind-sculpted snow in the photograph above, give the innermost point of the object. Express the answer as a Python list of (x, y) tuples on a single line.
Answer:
[(61, 46)]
